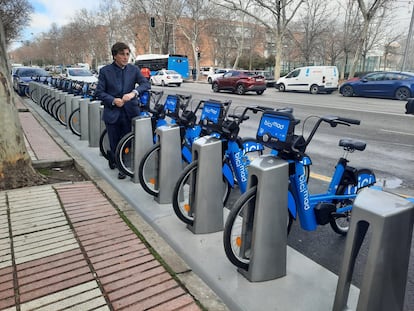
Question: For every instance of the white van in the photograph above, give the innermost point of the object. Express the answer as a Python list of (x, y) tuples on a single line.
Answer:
[(312, 79)]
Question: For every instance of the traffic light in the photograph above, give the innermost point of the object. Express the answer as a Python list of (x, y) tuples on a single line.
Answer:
[(152, 21), (198, 55)]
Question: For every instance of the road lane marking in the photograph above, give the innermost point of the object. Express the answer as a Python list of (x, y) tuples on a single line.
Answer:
[(320, 177), (396, 132), (328, 179)]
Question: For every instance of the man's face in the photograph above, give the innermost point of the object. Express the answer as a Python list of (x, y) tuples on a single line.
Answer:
[(121, 59)]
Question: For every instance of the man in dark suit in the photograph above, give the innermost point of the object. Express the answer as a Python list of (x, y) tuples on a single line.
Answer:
[(117, 89)]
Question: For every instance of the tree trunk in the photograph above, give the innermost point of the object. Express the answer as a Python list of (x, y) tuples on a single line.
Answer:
[(15, 165), (278, 57)]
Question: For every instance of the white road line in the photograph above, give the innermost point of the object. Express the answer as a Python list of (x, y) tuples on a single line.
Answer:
[(396, 132)]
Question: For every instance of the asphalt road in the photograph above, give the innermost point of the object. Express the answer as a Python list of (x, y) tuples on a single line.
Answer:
[(389, 134)]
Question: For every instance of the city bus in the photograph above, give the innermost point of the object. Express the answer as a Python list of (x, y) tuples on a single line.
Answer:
[(157, 62)]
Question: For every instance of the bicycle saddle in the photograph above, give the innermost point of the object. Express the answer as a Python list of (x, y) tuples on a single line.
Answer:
[(352, 144)]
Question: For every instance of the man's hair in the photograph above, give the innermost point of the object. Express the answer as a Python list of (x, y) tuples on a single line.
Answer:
[(119, 47)]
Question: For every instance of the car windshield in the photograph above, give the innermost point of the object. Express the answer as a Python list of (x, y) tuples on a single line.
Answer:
[(32, 72), (80, 72), (171, 72)]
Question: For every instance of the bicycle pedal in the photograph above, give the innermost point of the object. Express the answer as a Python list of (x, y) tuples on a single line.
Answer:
[(323, 212)]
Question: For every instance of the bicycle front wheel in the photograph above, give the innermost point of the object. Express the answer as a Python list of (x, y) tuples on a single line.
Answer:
[(74, 122), (124, 155), (60, 114), (148, 170), (104, 144), (184, 193), (237, 235)]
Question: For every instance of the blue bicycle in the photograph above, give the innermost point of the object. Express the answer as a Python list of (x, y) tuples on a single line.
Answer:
[(160, 114), (211, 111), (146, 100), (237, 155), (276, 131)]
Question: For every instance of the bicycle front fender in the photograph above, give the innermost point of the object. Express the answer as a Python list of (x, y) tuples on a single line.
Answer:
[(161, 122), (291, 204), (228, 174), (186, 153)]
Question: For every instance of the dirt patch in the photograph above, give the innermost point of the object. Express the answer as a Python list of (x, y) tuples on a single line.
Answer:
[(58, 174)]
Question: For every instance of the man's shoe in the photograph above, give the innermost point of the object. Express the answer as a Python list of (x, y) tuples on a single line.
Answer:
[(111, 160), (121, 175), (111, 165)]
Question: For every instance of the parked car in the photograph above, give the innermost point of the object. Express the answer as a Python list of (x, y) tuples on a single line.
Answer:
[(269, 77), (80, 74), (240, 82), (382, 84), (23, 75), (312, 79), (218, 72), (165, 77)]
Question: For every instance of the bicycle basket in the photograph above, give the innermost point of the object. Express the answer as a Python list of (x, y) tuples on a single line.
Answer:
[(171, 106), (144, 98), (276, 130), (212, 111)]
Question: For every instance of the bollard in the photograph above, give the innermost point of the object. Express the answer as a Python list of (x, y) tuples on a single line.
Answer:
[(94, 123), (390, 220), (267, 229), (170, 163), (143, 141), (84, 118), (207, 204)]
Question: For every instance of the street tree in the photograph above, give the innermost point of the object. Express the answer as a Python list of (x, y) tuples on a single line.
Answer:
[(312, 23), (193, 22), (15, 164), (369, 10), (274, 15), (163, 34), (15, 15)]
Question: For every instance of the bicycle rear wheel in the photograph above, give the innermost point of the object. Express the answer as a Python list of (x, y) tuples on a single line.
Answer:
[(184, 193), (148, 170), (124, 155), (74, 122), (340, 222)]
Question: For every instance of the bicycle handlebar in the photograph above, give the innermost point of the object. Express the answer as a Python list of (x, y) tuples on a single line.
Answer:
[(350, 121), (299, 145)]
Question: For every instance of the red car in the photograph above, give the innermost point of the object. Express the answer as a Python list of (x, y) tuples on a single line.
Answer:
[(240, 82)]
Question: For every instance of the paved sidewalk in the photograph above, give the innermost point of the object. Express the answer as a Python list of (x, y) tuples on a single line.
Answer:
[(66, 246)]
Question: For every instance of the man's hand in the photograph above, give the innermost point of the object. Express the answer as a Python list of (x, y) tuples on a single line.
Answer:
[(127, 97), (118, 102)]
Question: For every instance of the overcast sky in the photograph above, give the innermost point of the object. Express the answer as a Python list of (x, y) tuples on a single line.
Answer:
[(47, 12)]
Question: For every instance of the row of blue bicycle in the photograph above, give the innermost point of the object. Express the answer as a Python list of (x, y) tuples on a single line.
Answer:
[(276, 136)]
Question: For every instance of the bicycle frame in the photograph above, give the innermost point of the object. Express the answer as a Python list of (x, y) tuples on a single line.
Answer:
[(302, 203), (239, 161)]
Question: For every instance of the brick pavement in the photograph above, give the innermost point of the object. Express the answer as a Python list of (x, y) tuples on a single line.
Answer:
[(64, 246)]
